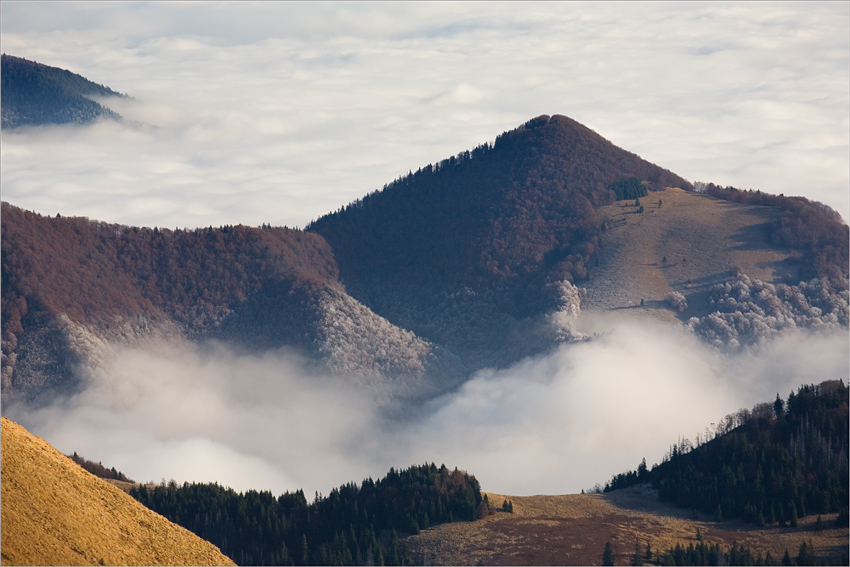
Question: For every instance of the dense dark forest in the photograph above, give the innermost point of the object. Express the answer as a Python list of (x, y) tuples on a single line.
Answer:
[(704, 553), (353, 525), (772, 465), (35, 94), (808, 226), (503, 210)]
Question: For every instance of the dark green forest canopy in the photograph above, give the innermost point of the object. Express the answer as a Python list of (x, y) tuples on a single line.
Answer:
[(774, 464), (35, 94), (353, 525)]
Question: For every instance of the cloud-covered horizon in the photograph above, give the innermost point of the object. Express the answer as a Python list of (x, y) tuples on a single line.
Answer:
[(550, 424), (279, 112)]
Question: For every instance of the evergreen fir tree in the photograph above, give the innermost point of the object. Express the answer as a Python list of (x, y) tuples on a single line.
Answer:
[(608, 554)]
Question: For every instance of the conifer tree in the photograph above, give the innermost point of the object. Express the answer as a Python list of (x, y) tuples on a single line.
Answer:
[(637, 558)]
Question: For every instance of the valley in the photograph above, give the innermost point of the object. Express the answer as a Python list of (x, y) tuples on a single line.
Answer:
[(572, 529)]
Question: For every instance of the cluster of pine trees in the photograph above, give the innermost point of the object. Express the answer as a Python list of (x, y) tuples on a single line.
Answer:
[(353, 525), (704, 553), (783, 461)]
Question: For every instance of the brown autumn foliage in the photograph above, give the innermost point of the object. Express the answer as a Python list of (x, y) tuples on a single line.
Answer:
[(808, 226), (91, 270)]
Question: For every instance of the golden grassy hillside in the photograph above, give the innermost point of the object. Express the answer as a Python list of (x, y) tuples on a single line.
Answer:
[(703, 239), (572, 529), (55, 513)]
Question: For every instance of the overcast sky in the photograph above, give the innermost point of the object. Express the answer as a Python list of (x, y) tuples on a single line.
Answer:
[(280, 112)]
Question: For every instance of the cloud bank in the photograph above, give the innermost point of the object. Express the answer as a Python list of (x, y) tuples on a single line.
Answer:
[(280, 112), (550, 424)]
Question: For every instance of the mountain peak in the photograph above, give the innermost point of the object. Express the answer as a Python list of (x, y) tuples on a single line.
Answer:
[(503, 209)]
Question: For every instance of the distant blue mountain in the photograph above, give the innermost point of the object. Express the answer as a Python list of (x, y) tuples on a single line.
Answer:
[(35, 94)]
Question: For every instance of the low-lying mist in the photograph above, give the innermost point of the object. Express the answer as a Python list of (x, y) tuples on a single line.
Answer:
[(551, 424)]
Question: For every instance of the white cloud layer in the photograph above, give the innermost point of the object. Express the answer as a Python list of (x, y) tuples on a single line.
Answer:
[(281, 112), (551, 424)]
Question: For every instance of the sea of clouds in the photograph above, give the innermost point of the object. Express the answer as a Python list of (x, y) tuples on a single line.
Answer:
[(281, 112), (550, 424)]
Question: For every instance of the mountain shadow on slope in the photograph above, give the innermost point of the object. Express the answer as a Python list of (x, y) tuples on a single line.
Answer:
[(810, 227), (477, 240), (35, 94), (772, 465)]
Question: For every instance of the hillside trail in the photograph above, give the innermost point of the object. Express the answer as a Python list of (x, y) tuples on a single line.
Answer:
[(572, 529), (685, 242), (56, 513)]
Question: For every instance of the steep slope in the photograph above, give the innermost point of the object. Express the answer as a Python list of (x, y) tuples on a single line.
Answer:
[(71, 286), (505, 210), (55, 513), (770, 465), (36, 94), (473, 253)]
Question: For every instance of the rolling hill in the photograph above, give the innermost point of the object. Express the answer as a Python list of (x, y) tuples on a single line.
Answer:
[(55, 513), (760, 466)]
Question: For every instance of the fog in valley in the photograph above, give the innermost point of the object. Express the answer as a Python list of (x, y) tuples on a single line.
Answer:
[(282, 112), (552, 424)]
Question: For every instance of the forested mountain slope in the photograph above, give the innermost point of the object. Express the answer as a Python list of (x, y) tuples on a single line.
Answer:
[(71, 285), (474, 252), (502, 211), (478, 252), (353, 525), (774, 464), (479, 261), (36, 94)]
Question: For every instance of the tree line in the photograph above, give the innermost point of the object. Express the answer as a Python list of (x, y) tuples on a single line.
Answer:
[(97, 468), (704, 553), (39, 94), (780, 462), (808, 226), (353, 525)]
